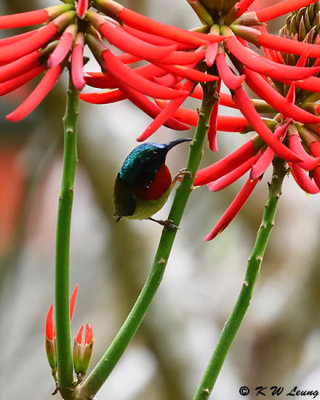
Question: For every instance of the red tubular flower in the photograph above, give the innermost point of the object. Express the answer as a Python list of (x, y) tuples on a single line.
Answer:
[(16, 38), (63, 47), (126, 42), (225, 165), (282, 8), (213, 122), (19, 66), (188, 73), (271, 96), (38, 39), (224, 123), (303, 180), (82, 8), (233, 175), (14, 83), (105, 97), (35, 98), (137, 82), (265, 160), (253, 117), (166, 113), (231, 80), (32, 17), (233, 209), (295, 145), (243, 5), (211, 54), (267, 67), (145, 24), (287, 45), (77, 62)]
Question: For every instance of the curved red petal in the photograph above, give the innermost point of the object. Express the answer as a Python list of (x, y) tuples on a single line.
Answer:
[(38, 94), (131, 44), (19, 66), (126, 75), (243, 5), (303, 180), (272, 97), (225, 165), (30, 43), (109, 96), (254, 119), (232, 176), (166, 113), (288, 45), (231, 80), (15, 83), (61, 51), (233, 209)]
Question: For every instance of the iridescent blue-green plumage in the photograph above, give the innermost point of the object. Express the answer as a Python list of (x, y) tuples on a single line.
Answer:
[(139, 170)]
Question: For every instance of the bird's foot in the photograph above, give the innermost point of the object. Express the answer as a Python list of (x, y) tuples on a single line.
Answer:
[(167, 223), (181, 174)]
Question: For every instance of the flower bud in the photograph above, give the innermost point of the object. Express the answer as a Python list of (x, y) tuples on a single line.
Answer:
[(82, 352)]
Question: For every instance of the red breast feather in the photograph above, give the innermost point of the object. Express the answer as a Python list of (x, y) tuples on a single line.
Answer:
[(158, 187)]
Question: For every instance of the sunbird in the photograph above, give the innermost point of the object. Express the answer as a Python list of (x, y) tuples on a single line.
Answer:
[(144, 182)]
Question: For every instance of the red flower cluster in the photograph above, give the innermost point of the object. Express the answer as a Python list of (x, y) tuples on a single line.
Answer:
[(68, 28), (177, 61)]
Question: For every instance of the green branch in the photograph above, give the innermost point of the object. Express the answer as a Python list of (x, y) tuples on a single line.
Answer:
[(231, 327), (63, 331), (103, 369)]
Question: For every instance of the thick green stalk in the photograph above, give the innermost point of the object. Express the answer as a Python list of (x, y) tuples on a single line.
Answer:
[(63, 331), (102, 370), (253, 269)]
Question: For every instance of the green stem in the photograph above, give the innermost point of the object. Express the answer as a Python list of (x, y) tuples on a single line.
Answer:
[(102, 370), (63, 331), (253, 269)]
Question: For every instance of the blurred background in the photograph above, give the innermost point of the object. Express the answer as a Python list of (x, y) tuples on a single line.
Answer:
[(279, 340)]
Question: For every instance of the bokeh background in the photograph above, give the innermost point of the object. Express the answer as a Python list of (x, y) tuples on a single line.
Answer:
[(279, 340)]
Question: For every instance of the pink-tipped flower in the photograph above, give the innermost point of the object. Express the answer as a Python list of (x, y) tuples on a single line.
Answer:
[(82, 352), (77, 63), (63, 47)]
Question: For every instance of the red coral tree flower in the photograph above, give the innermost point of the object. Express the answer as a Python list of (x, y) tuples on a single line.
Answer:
[(47, 50)]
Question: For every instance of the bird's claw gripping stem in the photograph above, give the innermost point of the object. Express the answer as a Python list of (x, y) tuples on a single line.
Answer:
[(181, 174)]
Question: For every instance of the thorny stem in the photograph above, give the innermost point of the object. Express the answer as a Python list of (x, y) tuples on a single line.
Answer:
[(253, 269), (103, 369), (63, 331)]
